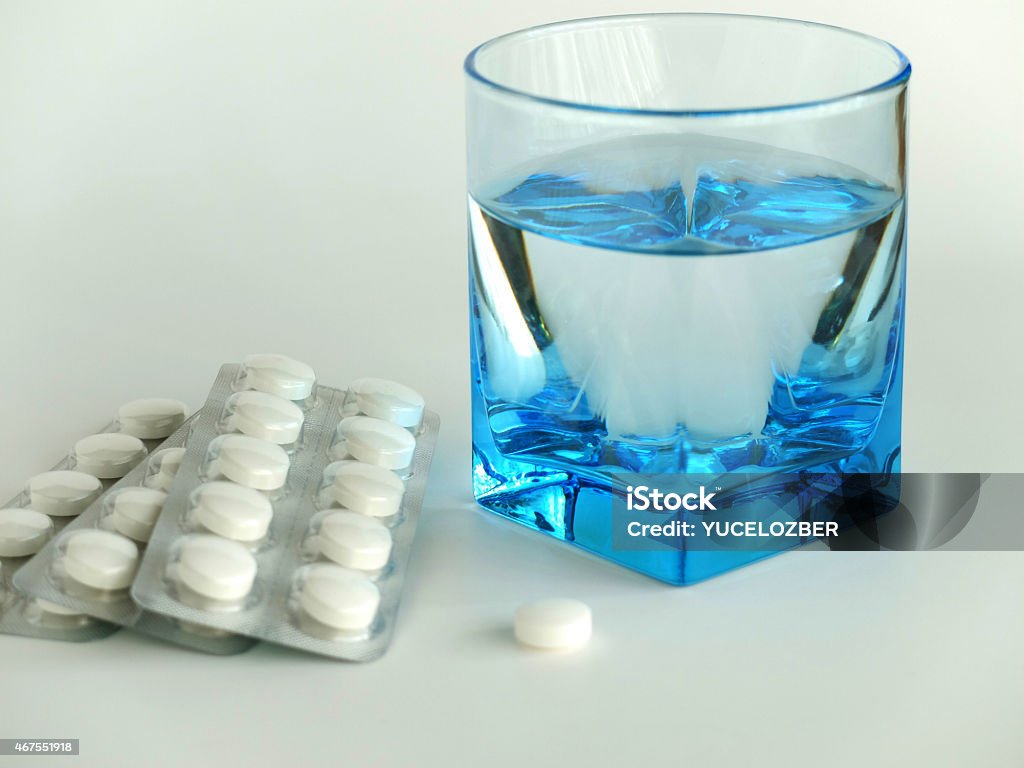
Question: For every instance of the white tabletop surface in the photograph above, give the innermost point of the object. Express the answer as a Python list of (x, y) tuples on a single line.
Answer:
[(184, 183)]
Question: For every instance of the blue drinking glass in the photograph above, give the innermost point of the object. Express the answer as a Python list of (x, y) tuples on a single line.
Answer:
[(687, 262)]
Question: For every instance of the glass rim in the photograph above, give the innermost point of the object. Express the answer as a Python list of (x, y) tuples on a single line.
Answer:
[(470, 67)]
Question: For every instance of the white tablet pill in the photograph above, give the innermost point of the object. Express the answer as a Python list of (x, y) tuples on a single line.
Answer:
[(388, 400), (366, 489), (163, 468), (249, 461), (134, 511), (216, 568), (278, 375), (100, 559), (56, 609), (109, 455), (152, 418), (267, 417), (557, 625), (232, 511), (339, 598), (374, 441), (355, 541), (23, 532), (63, 493)]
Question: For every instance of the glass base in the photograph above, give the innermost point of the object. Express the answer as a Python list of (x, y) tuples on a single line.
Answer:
[(590, 512)]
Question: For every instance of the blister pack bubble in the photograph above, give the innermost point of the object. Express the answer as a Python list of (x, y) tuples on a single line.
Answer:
[(89, 566), (295, 530), (53, 500)]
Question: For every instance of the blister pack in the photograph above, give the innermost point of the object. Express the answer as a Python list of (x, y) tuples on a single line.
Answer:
[(53, 499), (89, 566), (292, 516)]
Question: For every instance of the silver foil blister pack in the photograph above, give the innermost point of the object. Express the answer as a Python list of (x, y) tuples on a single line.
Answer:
[(53, 500), (293, 513), (88, 567)]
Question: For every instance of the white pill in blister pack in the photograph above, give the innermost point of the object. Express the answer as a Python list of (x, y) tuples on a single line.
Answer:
[(134, 511), (339, 598), (278, 375), (317, 563), (354, 540), (109, 455), (249, 461), (267, 417), (82, 556), (151, 418), (63, 493), (23, 532), (364, 488), (216, 568), (101, 559), (374, 441), (163, 468), (388, 400), (232, 511), (57, 609), (556, 624)]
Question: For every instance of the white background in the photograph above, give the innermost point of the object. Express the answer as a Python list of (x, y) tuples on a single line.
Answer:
[(185, 182)]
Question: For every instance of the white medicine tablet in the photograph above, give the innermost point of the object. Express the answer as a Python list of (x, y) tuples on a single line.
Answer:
[(388, 400), (556, 625), (216, 568), (134, 511), (279, 375), (101, 559), (23, 532), (152, 418), (251, 462), (267, 417), (232, 511), (108, 455), (163, 468), (63, 493), (339, 598), (355, 541), (376, 441), (56, 609), (366, 489)]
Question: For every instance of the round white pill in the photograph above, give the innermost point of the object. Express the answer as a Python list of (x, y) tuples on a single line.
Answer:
[(101, 559), (267, 417), (63, 493), (216, 568), (134, 511), (232, 511), (279, 375), (251, 462), (388, 400), (56, 609), (152, 418), (339, 598), (23, 532), (163, 468), (109, 455), (375, 441), (355, 541), (366, 489), (556, 625)]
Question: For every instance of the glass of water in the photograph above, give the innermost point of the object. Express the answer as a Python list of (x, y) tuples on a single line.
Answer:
[(686, 262)]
